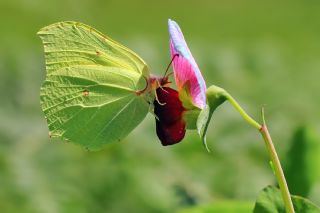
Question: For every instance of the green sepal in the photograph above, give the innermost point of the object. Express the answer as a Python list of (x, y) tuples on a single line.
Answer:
[(192, 112), (215, 97), (191, 118)]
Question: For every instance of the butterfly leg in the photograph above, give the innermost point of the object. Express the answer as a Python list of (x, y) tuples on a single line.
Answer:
[(157, 99), (156, 96), (161, 87)]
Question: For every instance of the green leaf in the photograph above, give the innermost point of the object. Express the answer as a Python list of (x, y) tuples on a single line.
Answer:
[(89, 94), (304, 159), (215, 97), (222, 207), (270, 201)]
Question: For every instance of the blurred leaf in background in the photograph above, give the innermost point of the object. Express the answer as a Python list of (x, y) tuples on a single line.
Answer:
[(270, 201), (222, 206), (303, 161)]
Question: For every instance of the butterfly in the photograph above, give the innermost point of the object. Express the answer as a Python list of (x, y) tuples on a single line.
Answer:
[(96, 91)]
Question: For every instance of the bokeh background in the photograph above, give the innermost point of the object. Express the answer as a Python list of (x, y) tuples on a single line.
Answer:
[(265, 53)]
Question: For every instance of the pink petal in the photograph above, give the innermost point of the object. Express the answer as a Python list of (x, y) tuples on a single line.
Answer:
[(184, 66)]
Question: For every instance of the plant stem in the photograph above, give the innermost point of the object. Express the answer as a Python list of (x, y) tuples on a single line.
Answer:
[(271, 150), (237, 106), (277, 169)]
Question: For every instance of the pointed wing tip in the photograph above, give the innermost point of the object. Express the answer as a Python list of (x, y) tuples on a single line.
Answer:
[(44, 30)]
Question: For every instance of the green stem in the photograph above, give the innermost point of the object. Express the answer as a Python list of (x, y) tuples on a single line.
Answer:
[(277, 169), (235, 104), (272, 152)]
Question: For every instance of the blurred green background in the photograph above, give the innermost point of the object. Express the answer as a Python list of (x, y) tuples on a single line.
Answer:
[(262, 52)]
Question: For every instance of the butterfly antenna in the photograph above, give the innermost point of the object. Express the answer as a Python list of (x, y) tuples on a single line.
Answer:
[(175, 55)]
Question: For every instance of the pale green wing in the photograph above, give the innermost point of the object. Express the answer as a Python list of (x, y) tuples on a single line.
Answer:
[(89, 94)]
